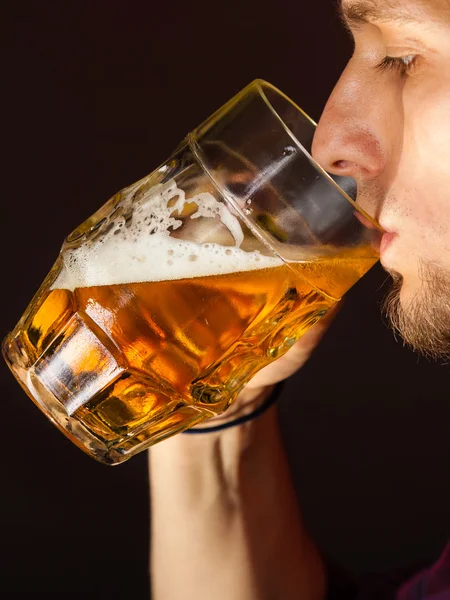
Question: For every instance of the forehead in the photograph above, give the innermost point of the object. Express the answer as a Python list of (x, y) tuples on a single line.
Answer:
[(419, 11)]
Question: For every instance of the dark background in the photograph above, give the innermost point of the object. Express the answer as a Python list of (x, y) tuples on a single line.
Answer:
[(95, 96)]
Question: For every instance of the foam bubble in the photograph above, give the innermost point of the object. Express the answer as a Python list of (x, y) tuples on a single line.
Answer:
[(141, 249)]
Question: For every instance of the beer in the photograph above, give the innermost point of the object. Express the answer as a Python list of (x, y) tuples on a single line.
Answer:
[(139, 334), (176, 351)]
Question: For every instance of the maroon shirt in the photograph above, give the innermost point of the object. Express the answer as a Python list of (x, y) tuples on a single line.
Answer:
[(431, 584)]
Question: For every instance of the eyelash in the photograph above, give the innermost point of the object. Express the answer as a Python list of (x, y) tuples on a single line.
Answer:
[(393, 63)]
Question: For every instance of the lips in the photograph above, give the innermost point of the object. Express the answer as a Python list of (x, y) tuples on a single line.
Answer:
[(386, 241)]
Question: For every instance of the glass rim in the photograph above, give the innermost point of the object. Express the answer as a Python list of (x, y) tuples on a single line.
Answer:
[(260, 84)]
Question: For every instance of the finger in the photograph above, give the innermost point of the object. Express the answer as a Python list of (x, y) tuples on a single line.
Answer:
[(297, 356)]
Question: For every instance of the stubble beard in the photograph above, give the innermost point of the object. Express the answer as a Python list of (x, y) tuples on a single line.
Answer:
[(423, 321)]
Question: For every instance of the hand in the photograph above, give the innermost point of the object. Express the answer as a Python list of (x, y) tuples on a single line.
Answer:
[(258, 388)]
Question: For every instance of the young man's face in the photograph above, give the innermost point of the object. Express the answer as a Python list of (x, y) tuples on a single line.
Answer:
[(387, 124)]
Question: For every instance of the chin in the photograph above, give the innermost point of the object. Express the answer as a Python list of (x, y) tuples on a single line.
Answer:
[(418, 308), (407, 276), (409, 290)]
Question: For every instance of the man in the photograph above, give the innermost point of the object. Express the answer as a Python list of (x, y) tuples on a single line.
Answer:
[(223, 506)]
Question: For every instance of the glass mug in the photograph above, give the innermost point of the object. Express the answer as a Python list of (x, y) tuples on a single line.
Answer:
[(164, 303)]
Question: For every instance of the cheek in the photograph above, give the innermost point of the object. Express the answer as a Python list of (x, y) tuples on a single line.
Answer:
[(423, 183), (427, 126), (429, 133)]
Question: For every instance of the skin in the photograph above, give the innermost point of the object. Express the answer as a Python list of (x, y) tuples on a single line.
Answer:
[(390, 130)]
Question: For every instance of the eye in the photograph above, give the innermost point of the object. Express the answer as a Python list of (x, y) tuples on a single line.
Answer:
[(402, 64)]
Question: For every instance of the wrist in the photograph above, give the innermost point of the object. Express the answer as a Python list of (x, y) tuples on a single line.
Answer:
[(199, 449), (197, 468)]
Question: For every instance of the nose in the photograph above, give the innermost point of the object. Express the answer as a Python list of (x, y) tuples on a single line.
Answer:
[(349, 138)]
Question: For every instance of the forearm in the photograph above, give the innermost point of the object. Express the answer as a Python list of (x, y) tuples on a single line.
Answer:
[(225, 519)]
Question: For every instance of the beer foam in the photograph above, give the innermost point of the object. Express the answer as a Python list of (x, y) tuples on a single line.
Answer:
[(140, 248)]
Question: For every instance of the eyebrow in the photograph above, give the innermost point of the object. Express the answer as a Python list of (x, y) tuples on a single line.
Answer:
[(360, 12)]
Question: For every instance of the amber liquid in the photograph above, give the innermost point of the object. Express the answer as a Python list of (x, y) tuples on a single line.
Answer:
[(128, 365)]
